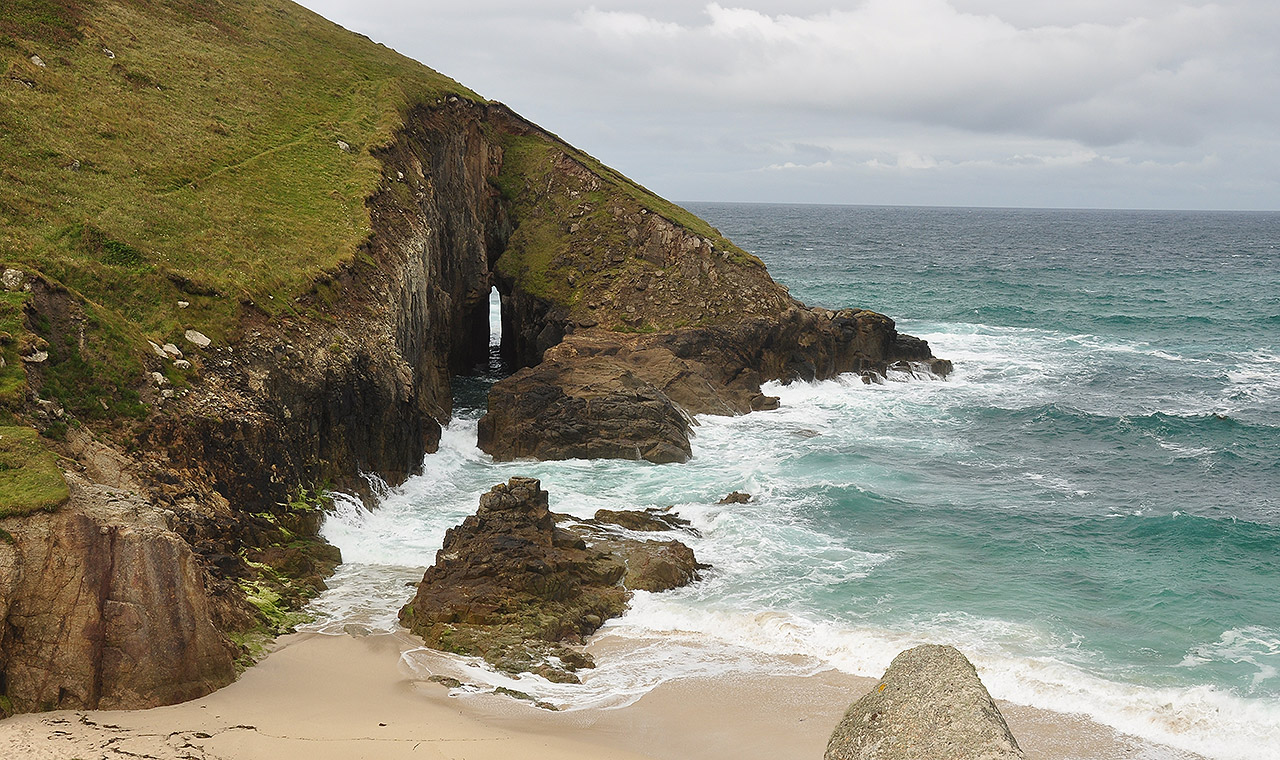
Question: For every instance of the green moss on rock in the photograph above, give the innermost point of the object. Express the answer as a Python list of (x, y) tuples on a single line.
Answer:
[(29, 476)]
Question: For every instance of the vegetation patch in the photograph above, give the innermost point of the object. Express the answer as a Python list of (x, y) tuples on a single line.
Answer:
[(13, 378), (184, 150), (29, 476)]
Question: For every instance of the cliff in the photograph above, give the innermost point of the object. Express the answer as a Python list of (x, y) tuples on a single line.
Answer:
[(243, 253)]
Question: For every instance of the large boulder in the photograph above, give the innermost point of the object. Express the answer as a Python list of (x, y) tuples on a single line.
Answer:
[(929, 705), (103, 606), (513, 587)]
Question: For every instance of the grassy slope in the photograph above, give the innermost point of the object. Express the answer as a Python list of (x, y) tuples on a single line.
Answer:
[(198, 160), (29, 474), (188, 150), (541, 256), (205, 149)]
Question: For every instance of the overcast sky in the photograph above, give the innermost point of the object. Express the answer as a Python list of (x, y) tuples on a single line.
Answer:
[(1071, 103)]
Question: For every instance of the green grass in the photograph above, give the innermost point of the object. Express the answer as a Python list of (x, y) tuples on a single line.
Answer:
[(13, 377), (542, 256), (200, 163), (29, 476)]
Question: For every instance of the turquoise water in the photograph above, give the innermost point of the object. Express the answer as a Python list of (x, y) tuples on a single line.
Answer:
[(1087, 506)]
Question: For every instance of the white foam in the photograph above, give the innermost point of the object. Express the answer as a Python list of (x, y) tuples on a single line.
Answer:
[(755, 611)]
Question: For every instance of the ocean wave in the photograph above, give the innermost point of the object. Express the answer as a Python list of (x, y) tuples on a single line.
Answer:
[(1206, 720)]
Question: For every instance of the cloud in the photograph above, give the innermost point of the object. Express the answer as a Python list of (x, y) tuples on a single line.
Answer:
[(791, 165), (1165, 77), (1125, 102)]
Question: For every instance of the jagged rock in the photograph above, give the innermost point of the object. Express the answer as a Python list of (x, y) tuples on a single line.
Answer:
[(585, 409), (651, 565), (648, 520), (929, 704), (103, 607), (512, 587), (608, 395), (737, 497), (172, 351)]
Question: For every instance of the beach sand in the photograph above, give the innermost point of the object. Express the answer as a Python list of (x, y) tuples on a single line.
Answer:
[(347, 697)]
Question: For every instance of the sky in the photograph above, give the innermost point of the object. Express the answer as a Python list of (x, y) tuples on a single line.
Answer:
[(1041, 103)]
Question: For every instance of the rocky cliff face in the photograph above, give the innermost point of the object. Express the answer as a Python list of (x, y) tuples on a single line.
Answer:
[(627, 314), (104, 606)]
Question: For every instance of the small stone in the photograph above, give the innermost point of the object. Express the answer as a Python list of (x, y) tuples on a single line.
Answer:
[(107, 52), (36, 357), (12, 279), (183, 304), (737, 497), (166, 393), (159, 379), (158, 350), (197, 338), (172, 350), (344, 146), (182, 364), (37, 61)]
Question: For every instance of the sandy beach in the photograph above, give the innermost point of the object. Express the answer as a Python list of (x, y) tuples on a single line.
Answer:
[(346, 697)]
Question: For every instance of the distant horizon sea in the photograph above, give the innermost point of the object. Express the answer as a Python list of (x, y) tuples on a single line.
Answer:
[(1087, 507)]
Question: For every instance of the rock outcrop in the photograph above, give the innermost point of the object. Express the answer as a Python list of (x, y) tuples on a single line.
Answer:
[(104, 606), (512, 586), (602, 394), (929, 704), (625, 315)]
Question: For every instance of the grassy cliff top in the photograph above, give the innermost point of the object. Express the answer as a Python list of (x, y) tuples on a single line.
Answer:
[(156, 151), (163, 163)]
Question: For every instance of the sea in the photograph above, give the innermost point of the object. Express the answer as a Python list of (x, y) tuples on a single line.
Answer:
[(1088, 506)]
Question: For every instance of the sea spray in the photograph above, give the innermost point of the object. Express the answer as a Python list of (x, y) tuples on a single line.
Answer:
[(1085, 507)]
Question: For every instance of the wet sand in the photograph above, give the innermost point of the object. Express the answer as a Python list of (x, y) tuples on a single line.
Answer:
[(346, 697)]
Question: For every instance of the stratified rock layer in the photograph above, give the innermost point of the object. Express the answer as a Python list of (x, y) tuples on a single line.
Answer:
[(929, 705), (511, 586), (104, 608)]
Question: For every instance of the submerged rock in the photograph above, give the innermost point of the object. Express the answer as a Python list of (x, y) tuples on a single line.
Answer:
[(648, 520), (513, 587), (929, 705)]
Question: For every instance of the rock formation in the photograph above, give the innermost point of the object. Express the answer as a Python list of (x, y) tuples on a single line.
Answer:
[(302, 370), (929, 704), (512, 586), (104, 607), (604, 394)]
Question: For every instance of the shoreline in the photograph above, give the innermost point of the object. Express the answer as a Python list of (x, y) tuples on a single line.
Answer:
[(318, 696)]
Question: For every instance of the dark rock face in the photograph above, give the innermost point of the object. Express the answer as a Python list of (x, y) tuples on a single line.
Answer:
[(104, 607), (583, 409), (609, 395), (512, 587), (648, 520), (928, 705)]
